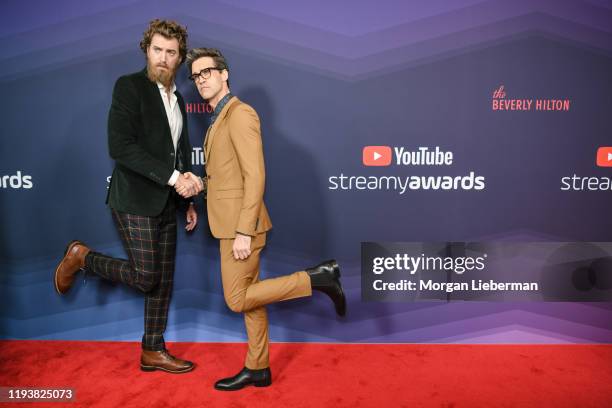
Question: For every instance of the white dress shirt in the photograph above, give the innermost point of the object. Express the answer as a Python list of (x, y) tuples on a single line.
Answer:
[(175, 121)]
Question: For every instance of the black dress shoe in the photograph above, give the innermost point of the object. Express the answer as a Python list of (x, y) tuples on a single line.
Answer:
[(326, 278), (246, 376)]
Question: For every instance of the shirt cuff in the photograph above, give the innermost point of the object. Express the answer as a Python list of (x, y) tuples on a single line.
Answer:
[(173, 178)]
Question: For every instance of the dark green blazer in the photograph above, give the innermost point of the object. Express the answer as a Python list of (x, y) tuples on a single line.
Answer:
[(140, 142)]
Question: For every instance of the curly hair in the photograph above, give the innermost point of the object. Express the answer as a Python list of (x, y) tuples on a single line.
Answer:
[(168, 29)]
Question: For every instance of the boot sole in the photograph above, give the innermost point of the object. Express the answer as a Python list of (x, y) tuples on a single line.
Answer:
[(336, 268), (343, 303), (154, 368), (265, 383), (68, 248)]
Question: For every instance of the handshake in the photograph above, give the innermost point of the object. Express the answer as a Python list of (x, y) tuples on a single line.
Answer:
[(189, 185)]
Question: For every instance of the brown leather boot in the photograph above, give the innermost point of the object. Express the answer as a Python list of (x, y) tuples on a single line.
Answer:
[(73, 261), (161, 360)]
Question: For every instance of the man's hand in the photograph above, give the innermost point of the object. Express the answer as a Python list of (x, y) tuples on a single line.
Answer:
[(192, 218), (198, 180), (185, 186), (188, 185), (242, 247)]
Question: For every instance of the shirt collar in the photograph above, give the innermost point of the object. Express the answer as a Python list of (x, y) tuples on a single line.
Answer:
[(163, 88), (220, 106), (222, 103)]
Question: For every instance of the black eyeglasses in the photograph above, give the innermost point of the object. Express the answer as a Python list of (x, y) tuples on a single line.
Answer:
[(204, 74)]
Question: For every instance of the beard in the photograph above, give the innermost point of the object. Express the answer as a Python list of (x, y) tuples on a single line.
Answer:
[(165, 77)]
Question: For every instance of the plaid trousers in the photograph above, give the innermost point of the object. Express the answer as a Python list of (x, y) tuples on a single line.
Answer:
[(150, 243)]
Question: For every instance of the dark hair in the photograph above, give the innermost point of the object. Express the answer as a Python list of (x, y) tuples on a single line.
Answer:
[(168, 29), (214, 53)]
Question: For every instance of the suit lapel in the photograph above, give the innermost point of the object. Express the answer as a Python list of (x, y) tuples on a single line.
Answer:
[(160, 105), (156, 96), (212, 130), (206, 145), (181, 104)]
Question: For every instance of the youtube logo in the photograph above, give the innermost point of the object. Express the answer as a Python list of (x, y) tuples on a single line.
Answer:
[(604, 157), (376, 155)]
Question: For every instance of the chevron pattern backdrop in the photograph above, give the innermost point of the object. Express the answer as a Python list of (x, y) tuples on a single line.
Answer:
[(326, 78)]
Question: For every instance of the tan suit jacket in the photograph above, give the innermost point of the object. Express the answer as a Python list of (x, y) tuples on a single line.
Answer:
[(236, 173)]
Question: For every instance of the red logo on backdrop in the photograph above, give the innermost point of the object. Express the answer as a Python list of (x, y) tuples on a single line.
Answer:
[(376, 155), (501, 103), (198, 107), (604, 157)]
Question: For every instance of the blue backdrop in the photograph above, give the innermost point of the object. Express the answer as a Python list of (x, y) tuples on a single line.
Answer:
[(327, 79)]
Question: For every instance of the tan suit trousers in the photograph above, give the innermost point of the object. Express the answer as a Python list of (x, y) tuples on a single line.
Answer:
[(245, 293)]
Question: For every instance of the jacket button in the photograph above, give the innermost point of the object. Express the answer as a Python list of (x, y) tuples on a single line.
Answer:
[(171, 154)]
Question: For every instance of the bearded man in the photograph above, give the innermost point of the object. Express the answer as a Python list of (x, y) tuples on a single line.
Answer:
[(147, 138)]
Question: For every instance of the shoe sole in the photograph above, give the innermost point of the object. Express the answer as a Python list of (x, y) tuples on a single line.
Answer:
[(343, 303), (254, 384), (68, 248), (154, 368), (336, 268)]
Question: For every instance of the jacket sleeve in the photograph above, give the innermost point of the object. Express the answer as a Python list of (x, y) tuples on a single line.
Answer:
[(246, 137), (123, 135)]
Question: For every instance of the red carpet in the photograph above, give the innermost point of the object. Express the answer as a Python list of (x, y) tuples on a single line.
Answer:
[(107, 374)]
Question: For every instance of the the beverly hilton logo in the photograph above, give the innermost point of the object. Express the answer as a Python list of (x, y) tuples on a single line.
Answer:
[(501, 103), (198, 107)]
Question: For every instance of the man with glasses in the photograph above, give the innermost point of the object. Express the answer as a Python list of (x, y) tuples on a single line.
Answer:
[(238, 217), (147, 138)]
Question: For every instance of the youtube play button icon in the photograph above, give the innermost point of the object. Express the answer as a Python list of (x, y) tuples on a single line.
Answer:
[(604, 157), (376, 155)]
